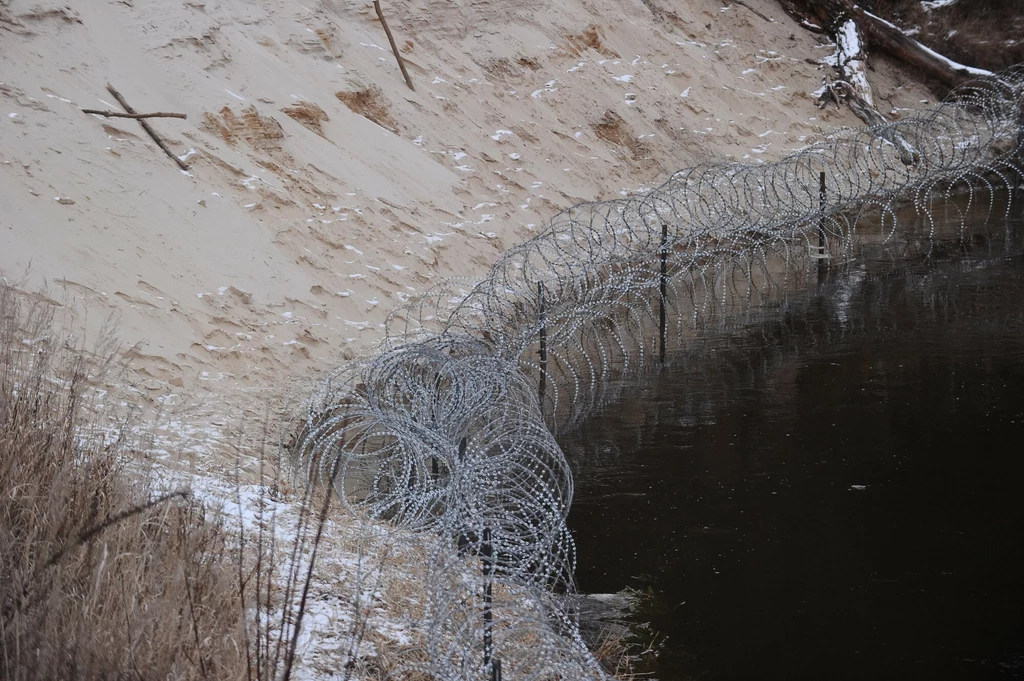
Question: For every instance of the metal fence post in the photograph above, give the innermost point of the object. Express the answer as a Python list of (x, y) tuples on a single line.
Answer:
[(663, 286), (1018, 191), (543, 345), (487, 557), (822, 255)]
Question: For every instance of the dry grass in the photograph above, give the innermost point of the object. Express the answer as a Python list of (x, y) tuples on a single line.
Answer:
[(104, 577), (101, 578)]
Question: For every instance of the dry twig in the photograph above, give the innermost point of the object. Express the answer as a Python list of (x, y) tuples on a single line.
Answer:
[(119, 114)]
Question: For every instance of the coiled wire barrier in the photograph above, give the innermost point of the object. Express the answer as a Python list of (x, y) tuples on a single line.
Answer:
[(449, 428)]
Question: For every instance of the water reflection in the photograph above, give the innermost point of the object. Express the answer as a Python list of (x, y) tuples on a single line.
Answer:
[(832, 492)]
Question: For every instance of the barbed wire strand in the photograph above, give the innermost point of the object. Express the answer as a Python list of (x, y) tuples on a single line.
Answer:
[(450, 427)]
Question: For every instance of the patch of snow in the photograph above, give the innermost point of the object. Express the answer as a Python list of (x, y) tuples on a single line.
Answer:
[(548, 87)]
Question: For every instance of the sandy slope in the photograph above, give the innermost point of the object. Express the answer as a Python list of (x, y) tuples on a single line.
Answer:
[(306, 218)]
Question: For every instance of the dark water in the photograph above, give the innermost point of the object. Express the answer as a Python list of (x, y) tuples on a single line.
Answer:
[(834, 495)]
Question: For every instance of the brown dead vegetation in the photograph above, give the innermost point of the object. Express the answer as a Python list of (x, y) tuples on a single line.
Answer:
[(528, 63), (612, 128), (261, 132), (590, 38), (510, 68), (666, 17), (103, 577), (369, 103), (501, 68), (308, 114)]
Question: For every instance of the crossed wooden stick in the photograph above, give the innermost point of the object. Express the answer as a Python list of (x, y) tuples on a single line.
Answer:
[(132, 113)]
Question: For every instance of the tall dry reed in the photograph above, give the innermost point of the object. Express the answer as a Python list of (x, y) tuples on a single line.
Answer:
[(100, 578)]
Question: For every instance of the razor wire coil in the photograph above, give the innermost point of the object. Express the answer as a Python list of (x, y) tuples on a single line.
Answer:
[(444, 430)]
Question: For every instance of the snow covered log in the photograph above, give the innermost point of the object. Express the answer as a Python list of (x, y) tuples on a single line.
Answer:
[(836, 15), (851, 85), (889, 37), (851, 62)]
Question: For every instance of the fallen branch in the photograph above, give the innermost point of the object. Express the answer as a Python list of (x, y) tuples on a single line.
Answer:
[(394, 48), (88, 534), (147, 127), (119, 114), (740, 2)]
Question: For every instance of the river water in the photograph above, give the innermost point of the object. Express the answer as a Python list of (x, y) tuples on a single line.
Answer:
[(835, 493)]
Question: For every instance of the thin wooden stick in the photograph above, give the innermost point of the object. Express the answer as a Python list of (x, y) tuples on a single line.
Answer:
[(119, 114), (740, 2), (394, 48), (88, 534), (146, 126)]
